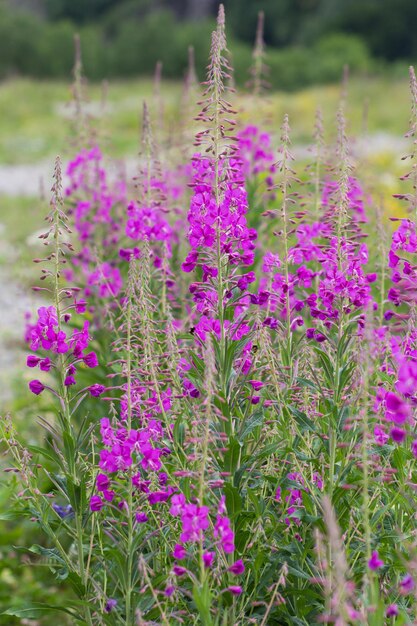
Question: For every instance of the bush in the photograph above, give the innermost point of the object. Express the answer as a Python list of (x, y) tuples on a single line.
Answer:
[(333, 52), (55, 50), (19, 37), (291, 68), (139, 45), (132, 44)]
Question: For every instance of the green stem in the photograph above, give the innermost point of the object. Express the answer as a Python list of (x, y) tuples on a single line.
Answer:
[(129, 542)]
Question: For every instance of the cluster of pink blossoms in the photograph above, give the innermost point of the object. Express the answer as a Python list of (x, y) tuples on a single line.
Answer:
[(147, 223), (46, 336), (343, 286), (343, 283), (106, 281), (95, 201), (138, 449), (147, 220), (256, 153), (355, 198), (325, 273), (222, 226), (196, 528), (96, 211), (399, 405), (294, 497), (403, 272)]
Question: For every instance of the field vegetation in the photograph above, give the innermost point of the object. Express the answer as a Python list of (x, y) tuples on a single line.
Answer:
[(211, 407)]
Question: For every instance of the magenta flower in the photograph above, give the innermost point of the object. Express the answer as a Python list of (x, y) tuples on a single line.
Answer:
[(36, 387), (169, 590), (397, 410), (46, 334), (406, 584), (177, 504), (102, 482), (237, 568), (96, 503), (96, 390), (91, 359), (45, 364), (397, 434), (194, 521), (380, 435), (32, 361), (375, 562), (108, 279), (179, 552), (110, 605), (208, 559), (392, 610), (224, 533), (236, 590), (178, 570)]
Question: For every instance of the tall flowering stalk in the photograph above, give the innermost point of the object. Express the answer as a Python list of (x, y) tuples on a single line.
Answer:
[(214, 111), (60, 356), (259, 68)]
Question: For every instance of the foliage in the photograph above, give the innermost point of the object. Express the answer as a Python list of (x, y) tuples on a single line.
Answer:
[(306, 42)]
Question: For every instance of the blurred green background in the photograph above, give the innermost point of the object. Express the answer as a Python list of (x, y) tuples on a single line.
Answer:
[(308, 41)]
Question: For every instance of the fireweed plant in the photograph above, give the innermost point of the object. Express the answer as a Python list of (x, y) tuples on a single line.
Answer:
[(230, 373)]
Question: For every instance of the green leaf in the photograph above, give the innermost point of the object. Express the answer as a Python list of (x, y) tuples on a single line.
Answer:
[(36, 610), (179, 432), (45, 453), (202, 600), (52, 554), (249, 425), (231, 458), (233, 499), (305, 423)]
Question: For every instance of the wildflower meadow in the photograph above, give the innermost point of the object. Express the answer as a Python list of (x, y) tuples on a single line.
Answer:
[(223, 369)]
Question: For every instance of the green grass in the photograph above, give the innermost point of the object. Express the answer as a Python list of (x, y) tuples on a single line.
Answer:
[(33, 127), (21, 217)]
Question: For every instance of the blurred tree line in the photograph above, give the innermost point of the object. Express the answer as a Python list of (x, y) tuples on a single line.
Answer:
[(307, 40)]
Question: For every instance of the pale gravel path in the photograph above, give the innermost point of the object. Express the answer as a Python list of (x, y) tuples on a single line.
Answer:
[(26, 180), (14, 303)]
